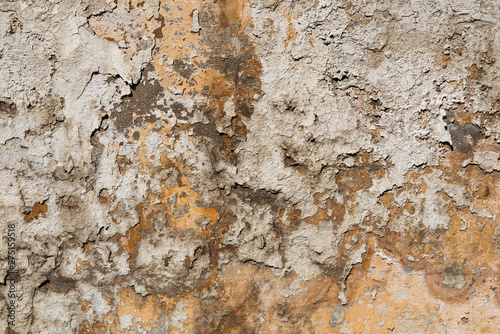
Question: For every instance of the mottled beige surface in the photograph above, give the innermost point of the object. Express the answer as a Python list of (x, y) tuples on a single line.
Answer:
[(251, 166)]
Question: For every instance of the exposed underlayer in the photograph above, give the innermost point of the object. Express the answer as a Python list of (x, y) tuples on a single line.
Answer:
[(250, 166)]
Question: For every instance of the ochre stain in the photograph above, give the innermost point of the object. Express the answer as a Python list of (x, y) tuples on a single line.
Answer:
[(130, 240), (329, 211), (230, 11), (463, 247), (384, 293), (38, 210)]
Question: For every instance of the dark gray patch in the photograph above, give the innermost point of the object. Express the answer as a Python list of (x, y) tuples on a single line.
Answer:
[(135, 109), (180, 111), (58, 284), (259, 196), (245, 107), (209, 132), (230, 66), (465, 137), (185, 70)]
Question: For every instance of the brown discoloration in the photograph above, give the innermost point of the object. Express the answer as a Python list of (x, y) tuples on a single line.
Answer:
[(95, 328), (245, 302), (158, 32), (475, 72), (8, 107), (350, 180), (187, 197), (458, 292), (219, 73), (360, 177), (103, 200), (446, 58), (230, 11), (481, 190)]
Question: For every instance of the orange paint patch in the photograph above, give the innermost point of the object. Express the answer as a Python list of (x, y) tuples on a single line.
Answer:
[(386, 296), (38, 210), (330, 211)]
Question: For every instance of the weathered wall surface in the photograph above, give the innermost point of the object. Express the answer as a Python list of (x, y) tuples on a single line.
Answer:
[(250, 166)]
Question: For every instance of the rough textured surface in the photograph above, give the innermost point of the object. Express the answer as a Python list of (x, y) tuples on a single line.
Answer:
[(251, 166)]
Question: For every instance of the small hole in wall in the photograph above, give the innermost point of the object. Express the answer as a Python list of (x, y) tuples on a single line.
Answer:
[(449, 145)]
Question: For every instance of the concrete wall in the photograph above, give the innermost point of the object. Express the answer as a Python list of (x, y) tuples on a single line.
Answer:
[(250, 166)]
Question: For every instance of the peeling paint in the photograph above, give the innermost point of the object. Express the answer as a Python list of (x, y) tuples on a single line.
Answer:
[(261, 166)]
